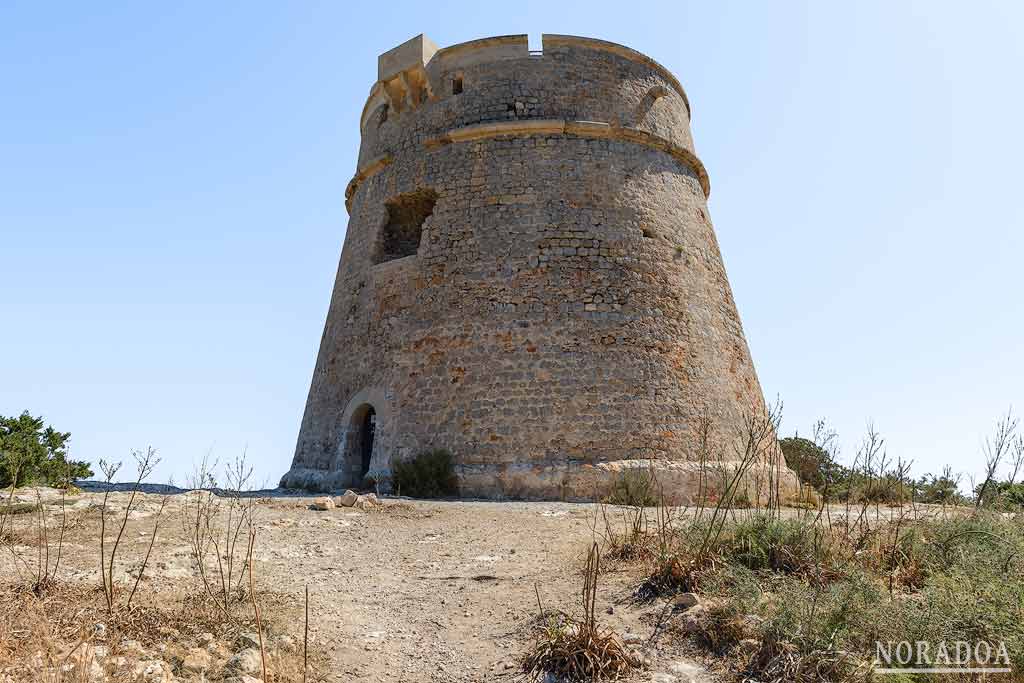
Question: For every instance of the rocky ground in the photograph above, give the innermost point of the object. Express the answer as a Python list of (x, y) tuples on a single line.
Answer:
[(400, 591)]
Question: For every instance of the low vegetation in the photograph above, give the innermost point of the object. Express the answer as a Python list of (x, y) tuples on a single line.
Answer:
[(875, 478), (808, 595), (18, 508), (430, 474), (635, 487), (815, 598)]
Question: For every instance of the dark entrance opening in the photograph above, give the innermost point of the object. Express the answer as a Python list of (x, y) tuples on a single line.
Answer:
[(367, 425)]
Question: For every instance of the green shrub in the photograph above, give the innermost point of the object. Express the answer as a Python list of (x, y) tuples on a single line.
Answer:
[(786, 546), (1005, 496), (635, 487), (940, 490), (430, 474), (886, 490), (870, 481), (17, 508)]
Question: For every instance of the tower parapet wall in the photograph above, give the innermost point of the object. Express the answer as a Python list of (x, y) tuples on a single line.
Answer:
[(573, 79)]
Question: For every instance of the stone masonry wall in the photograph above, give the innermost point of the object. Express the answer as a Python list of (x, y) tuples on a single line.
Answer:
[(567, 313)]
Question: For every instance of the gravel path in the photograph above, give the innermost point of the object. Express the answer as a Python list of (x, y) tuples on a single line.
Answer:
[(416, 591)]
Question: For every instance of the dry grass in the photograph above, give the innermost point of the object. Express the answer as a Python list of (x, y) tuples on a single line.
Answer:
[(40, 634), (49, 627), (634, 543), (579, 649), (722, 627)]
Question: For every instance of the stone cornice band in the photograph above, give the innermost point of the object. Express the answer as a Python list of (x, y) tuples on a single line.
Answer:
[(528, 127)]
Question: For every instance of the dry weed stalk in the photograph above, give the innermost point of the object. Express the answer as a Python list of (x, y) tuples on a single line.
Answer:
[(7, 537), (255, 605), (579, 649), (10, 499), (45, 573), (149, 550), (145, 463), (760, 430), (705, 429), (305, 641), (996, 448), (215, 525)]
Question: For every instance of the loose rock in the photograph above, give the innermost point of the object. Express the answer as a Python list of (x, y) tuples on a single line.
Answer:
[(247, 662), (686, 601), (249, 640), (152, 671), (690, 672), (197, 660)]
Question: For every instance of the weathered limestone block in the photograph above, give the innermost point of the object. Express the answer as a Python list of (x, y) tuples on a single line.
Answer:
[(322, 504), (348, 499)]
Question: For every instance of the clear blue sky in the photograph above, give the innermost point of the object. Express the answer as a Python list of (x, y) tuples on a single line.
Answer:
[(171, 205)]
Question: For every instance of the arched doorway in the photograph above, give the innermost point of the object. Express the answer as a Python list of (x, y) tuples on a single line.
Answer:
[(366, 430), (359, 444)]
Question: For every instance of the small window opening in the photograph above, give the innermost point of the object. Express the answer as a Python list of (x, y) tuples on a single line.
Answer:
[(457, 85), (401, 235), (648, 233), (382, 114)]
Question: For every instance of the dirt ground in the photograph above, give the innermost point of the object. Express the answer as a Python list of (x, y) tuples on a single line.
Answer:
[(410, 591)]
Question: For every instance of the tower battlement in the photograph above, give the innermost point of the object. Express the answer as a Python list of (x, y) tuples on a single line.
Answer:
[(529, 279)]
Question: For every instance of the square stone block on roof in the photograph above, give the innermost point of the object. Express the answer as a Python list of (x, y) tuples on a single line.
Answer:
[(415, 52)]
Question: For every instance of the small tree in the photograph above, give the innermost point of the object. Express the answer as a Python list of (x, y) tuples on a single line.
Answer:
[(941, 489), (31, 452), (814, 461)]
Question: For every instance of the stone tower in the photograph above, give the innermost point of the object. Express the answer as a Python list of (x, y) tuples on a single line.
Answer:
[(529, 279)]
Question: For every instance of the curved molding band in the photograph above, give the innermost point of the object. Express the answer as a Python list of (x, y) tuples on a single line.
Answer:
[(528, 127), (373, 167)]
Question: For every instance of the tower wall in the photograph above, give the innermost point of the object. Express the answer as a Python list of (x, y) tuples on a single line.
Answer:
[(566, 313)]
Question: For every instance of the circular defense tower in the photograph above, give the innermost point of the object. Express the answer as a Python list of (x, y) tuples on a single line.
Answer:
[(530, 280)]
